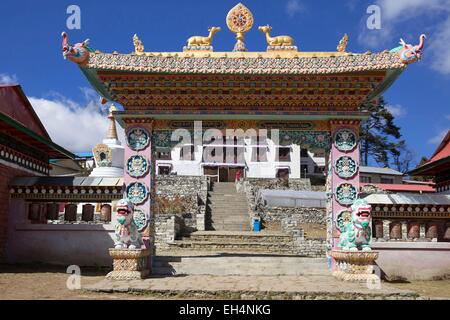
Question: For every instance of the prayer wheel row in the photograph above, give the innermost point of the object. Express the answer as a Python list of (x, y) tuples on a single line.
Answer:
[(41, 212), (433, 229)]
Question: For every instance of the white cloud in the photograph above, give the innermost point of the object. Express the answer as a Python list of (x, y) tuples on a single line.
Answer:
[(8, 79), (396, 110), (76, 127), (394, 13), (439, 137), (293, 7)]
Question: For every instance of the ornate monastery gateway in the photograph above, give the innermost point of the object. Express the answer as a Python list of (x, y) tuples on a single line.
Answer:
[(313, 98)]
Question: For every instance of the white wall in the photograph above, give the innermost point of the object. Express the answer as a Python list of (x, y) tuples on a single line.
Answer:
[(265, 169), (64, 244)]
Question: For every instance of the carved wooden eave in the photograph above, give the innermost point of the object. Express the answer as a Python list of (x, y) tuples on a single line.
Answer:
[(275, 84)]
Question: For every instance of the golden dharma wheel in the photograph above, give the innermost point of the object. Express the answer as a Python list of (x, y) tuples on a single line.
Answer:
[(239, 19)]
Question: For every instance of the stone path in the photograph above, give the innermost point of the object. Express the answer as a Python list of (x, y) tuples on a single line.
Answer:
[(253, 287)]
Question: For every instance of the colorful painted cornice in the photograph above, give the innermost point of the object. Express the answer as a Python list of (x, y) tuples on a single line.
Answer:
[(245, 64)]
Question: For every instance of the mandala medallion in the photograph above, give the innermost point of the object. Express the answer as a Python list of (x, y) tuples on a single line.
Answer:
[(345, 167), (138, 139), (345, 140), (137, 166), (140, 219), (137, 192), (343, 217), (346, 193)]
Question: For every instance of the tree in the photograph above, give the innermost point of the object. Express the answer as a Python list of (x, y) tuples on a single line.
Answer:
[(380, 138), (402, 157)]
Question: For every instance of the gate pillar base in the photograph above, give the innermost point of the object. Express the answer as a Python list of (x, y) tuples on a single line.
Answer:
[(356, 266), (129, 264)]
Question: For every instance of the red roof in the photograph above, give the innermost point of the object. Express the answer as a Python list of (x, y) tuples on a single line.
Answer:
[(403, 187), (19, 121), (15, 105), (443, 151)]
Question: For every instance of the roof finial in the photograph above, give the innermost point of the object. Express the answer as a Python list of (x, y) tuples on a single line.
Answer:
[(112, 131), (342, 46), (138, 45)]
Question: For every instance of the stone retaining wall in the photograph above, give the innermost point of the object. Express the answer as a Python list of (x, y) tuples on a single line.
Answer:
[(307, 226), (167, 229), (190, 191)]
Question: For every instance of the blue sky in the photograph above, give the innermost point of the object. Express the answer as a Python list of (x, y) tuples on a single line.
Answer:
[(30, 32)]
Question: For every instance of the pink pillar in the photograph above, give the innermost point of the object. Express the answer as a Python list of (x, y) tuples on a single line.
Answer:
[(139, 174), (344, 173)]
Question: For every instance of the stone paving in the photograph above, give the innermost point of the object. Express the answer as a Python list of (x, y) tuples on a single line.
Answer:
[(253, 287)]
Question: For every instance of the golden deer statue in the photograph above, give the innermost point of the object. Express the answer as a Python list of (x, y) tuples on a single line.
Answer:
[(276, 41), (203, 41)]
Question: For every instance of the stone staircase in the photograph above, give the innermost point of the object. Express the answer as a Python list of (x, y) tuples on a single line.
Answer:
[(228, 209), (244, 253), (235, 242), (242, 265)]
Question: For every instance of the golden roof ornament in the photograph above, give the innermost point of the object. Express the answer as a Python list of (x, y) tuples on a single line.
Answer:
[(342, 46), (200, 42), (279, 42), (239, 21), (138, 45)]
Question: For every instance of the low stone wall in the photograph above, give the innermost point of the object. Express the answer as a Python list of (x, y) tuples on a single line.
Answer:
[(314, 248), (306, 225), (190, 191), (167, 229), (293, 216), (253, 185)]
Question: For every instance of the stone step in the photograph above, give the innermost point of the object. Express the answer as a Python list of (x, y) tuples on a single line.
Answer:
[(232, 198), (230, 227), (214, 236), (231, 212), (227, 204), (250, 246), (239, 265)]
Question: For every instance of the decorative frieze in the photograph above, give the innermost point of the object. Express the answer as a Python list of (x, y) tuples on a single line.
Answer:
[(300, 64)]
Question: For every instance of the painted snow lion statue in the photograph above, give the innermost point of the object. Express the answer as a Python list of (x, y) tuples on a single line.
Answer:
[(127, 234), (356, 234)]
